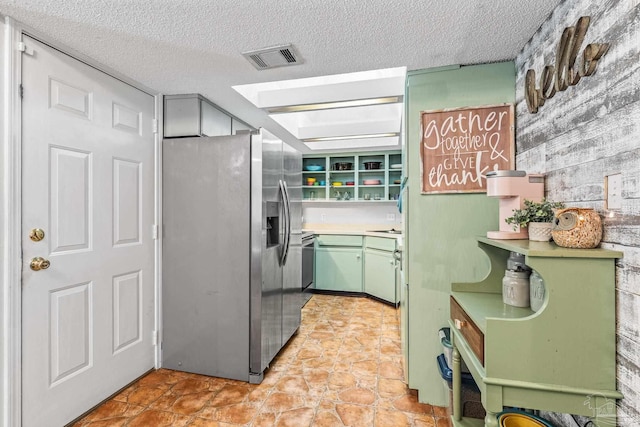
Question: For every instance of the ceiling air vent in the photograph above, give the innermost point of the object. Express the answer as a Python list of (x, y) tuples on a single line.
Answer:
[(272, 57)]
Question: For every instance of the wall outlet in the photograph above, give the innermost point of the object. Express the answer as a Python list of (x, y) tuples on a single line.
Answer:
[(391, 217), (613, 191)]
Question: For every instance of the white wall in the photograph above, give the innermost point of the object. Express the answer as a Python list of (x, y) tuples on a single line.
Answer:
[(584, 133), (356, 214), (3, 215)]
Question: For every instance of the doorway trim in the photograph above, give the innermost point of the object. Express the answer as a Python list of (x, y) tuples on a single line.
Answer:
[(11, 211)]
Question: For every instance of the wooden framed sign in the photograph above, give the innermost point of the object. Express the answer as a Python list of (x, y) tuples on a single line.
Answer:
[(459, 146)]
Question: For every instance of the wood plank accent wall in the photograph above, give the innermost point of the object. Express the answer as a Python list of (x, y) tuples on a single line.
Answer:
[(589, 131)]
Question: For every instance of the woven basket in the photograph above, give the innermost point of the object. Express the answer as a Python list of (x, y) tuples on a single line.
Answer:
[(577, 228)]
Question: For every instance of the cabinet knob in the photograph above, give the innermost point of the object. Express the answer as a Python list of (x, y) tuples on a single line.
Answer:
[(357, 256), (459, 323)]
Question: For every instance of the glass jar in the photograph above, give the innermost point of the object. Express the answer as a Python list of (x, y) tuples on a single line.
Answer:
[(515, 262), (536, 291), (515, 288)]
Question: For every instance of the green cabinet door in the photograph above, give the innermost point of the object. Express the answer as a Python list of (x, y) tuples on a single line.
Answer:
[(338, 269), (380, 275)]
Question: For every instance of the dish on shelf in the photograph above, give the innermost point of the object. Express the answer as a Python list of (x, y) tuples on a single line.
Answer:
[(396, 166), (396, 181), (314, 168), (336, 184), (311, 181), (342, 166), (372, 165), (520, 419), (350, 183), (371, 182)]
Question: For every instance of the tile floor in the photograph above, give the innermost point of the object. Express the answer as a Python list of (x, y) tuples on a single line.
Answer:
[(343, 368)]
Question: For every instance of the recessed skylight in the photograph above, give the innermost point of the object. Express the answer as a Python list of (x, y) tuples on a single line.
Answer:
[(336, 109)]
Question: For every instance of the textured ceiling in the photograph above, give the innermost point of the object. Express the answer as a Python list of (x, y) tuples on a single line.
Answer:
[(193, 46)]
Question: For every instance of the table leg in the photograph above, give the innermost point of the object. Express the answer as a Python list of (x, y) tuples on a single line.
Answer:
[(457, 384)]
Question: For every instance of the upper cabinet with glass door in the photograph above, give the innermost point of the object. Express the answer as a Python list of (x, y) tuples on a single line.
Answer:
[(352, 177)]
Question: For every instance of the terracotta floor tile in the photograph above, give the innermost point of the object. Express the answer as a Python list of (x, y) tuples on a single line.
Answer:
[(409, 403), (316, 378), (264, 419), (342, 368), (425, 421), (389, 387), (191, 385), (319, 363), (231, 394), (159, 419), (112, 422), (112, 409), (391, 370), (440, 412), (355, 415), (240, 413), (341, 380), (357, 395), (145, 395), (368, 367), (292, 384), (387, 418), (300, 417), (327, 419), (201, 422), (191, 403), (278, 402)]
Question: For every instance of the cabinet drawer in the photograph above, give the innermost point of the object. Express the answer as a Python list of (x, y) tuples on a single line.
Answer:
[(381, 243), (468, 329), (338, 240)]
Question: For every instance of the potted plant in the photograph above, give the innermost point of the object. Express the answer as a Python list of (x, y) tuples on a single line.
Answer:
[(537, 217)]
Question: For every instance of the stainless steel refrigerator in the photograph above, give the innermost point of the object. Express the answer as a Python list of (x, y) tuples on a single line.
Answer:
[(231, 280)]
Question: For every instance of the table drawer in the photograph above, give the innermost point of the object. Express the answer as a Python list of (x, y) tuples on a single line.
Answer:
[(468, 329)]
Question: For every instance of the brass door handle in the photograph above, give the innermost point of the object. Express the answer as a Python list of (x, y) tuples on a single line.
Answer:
[(36, 234), (39, 263)]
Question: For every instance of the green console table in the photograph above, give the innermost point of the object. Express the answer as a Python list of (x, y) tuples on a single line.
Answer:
[(561, 358)]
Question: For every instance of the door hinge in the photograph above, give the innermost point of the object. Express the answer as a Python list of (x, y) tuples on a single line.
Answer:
[(154, 231), (21, 90), (155, 125), (22, 47), (154, 337)]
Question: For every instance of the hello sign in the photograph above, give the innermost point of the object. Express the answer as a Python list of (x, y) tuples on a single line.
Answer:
[(566, 72)]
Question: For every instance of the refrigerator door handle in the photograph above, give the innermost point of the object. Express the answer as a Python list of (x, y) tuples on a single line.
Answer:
[(285, 206), (288, 230)]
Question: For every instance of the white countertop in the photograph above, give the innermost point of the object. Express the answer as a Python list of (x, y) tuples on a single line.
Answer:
[(355, 230)]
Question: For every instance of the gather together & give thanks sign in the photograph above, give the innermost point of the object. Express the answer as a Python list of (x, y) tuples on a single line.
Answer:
[(459, 146)]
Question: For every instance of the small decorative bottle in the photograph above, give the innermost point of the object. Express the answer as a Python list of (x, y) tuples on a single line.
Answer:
[(536, 290)]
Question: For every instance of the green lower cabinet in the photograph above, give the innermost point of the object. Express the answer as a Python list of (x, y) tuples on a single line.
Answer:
[(380, 275), (338, 269)]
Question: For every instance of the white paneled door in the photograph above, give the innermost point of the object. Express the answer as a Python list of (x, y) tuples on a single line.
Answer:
[(87, 212)]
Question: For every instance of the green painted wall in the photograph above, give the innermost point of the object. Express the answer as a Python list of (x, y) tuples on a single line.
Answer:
[(441, 229)]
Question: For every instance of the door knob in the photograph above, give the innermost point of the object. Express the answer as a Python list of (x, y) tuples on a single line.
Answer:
[(39, 263), (36, 234)]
